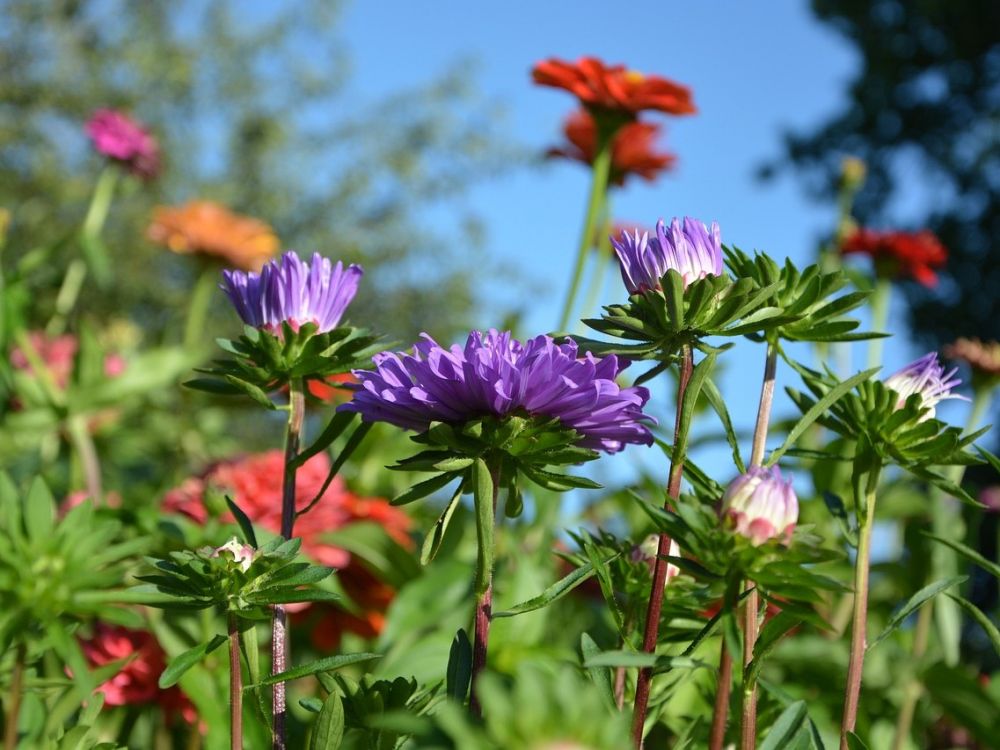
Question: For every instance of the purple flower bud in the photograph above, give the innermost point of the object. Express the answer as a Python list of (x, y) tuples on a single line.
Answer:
[(761, 505), (291, 291), (495, 374), (650, 547), (693, 250), (926, 377)]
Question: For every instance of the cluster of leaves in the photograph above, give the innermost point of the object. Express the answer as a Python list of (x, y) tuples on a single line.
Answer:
[(263, 362)]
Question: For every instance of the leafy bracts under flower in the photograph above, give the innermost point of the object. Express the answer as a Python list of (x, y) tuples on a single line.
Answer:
[(900, 433), (808, 309), (496, 375)]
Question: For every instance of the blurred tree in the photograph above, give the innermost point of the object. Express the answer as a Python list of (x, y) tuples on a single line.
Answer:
[(252, 108), (925, 99)]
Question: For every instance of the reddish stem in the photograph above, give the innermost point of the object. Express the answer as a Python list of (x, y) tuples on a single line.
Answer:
[(652, 630), (721, 712), (235, 687)]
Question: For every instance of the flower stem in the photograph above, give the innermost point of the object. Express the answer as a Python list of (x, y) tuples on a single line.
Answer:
[(880, 318), (600, 172), (100, 202), (604, 255), (14, 705), (651, 632), (721, 710), (235, 686), (748, 726), (83, 445), (279, 623), (940, 563), (201, 298), (859, 621), (486, 489)]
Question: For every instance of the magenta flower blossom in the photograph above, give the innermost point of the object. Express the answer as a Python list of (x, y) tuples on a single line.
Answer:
[(927, 377), (125, 141), (761, 505), (497, 375), (693, 250), (291, 291)]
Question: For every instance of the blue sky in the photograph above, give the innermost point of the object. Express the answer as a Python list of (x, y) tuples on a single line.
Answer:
[(756, 69)]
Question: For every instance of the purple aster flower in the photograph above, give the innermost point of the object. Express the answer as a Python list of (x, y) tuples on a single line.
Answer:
[(497, 375), (125, 141), (927, 377), (691, 249), (291, 291), (761, 504)]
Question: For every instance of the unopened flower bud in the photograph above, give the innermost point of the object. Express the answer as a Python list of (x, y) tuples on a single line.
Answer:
[(761, 505), (926, 377), (647, 550), (243, 554)]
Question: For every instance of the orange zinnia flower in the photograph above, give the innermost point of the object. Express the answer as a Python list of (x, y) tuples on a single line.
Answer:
[(211, 229), (613, 87), (632, 147), (912, 255)]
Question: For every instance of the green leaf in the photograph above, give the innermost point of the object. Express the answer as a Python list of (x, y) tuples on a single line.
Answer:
[(855, 743), (183, 662), (792, 731), (249, 389), (40, 513), (292, 596), (817, 410), (321, 665), (554, 592), (432, 543), (245, 524), (770, 635), (912, 604), (619, 659), (341, 421), (698, 378), (980, 617), (328, 731), (459, 674), (556, 482), (599, 675), (969, 554), (424, 488), (485, 502), (719, 404)]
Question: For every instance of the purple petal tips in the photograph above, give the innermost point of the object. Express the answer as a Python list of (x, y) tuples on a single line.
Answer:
[(291, 291), (494, 374), (691, 249), (927, 377)]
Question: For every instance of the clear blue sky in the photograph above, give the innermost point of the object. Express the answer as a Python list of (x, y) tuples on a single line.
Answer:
[(755, 69)]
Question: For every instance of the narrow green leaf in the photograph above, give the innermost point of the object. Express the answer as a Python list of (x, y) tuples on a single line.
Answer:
[(817, 410), (245, 524), (183, 662), (599, 675), (790, 729), (293, 596), (424, 488), (770, 635), (249, 389), (335, 427), (698, 378), (459, 674), (912, 604), (980, 617), (485, 511), (321, 665), (554, 592), (969, 554), (855, 743), (40, 510), (328, 731), (432, 543), (719, 404), (620, 659)]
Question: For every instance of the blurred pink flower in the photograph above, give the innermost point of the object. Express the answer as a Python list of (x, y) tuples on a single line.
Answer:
[(125, 141), (59, 354)]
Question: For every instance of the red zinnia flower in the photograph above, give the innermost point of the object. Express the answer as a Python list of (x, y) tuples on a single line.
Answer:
[(632, 148), (136, 682), (613, 87), (912, 255)]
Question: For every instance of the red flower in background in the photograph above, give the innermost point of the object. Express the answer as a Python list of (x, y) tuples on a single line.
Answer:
[(59, 354), (136, 682), (908, 255), (614, 87), (254, 483), (632, 148)]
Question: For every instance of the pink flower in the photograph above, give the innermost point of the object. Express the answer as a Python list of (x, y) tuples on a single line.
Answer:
[(761, 505), (125, 141)]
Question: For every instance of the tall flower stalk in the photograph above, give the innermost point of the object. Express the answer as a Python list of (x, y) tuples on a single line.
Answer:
[(235, 684), (487, 487)]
